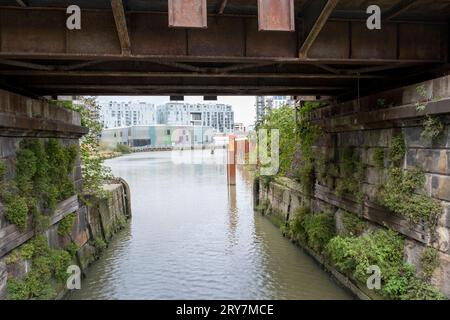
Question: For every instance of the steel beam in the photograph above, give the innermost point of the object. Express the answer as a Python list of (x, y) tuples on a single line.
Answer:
[(22, 3), (126, 74), (41, 34), (398, 9), (222, 6), (315, 18), (121, 25), (27, 65)]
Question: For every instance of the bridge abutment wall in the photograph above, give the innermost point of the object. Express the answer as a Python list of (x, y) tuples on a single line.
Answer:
[(74, 229), (372, 128)]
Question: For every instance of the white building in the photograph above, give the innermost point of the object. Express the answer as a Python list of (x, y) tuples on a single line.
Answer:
[(264, 104), (279, 101), (218, 116), (118, 114), (239, 128)]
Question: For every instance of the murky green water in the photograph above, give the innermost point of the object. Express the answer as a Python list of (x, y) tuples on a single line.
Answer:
[(193, 238)]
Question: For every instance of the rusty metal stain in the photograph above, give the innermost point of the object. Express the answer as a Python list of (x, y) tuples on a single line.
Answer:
[(276, 15), (188, 13)]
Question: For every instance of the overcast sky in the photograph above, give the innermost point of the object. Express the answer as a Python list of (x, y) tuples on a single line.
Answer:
[(243, 106)]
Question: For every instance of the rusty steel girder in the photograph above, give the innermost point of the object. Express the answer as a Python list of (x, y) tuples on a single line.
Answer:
[(128, 47)]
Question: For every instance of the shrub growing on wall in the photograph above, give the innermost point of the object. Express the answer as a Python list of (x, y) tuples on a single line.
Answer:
[(295, 139), (282, 119), (385, 249), (399, 195), (94, 173), (352, 172), (320, 229), (45, 265)]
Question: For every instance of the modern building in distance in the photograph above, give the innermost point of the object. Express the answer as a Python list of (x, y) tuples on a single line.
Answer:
[(218, 116), (260, 108), (239, 128), (125, 114), (115, 114), (264, 104), (158, 136)]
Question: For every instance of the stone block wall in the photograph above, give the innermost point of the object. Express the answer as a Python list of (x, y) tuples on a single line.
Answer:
[(24, 118), (367, 126)]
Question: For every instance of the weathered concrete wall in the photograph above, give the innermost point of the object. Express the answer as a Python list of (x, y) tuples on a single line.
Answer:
[(369, 125)]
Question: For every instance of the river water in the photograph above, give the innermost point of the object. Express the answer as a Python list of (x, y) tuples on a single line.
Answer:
[(191, 237)]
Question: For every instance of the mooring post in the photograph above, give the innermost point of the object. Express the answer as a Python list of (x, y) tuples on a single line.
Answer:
[(231, 160)]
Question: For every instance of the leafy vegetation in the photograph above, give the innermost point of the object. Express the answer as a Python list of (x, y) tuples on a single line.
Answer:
[(2, 169), (383, 248), (319, 230), (313, 230), (422, 92), (429, 261), (293, 139), (399, 195), (72, 248), (353, 225), (66, 224), (42, 179), (418, 289), (45, 265), (99, 243), (296, 228), (378, 157), (397, 150), (17, 212), (354, 255), (352, 173), (326, 169), (282, 119), (93, 170), (123, 148), (433, 128)]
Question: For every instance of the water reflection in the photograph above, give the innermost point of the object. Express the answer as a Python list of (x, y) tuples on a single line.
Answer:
[(192, 237)]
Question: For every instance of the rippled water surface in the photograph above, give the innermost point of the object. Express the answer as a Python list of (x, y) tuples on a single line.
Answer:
[(193, 238)]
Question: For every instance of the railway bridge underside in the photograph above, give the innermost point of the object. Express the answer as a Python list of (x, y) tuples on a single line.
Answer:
[(220, 47)]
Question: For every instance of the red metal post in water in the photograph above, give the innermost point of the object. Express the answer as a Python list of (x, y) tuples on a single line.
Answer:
[(231, 160)]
